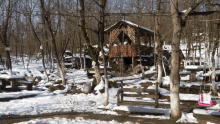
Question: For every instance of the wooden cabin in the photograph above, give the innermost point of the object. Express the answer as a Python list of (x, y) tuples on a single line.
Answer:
[(126, 39)]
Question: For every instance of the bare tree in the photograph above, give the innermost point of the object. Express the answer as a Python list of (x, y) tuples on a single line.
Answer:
[(39, 45), (102, 20), (159, 44), (94, 52), (4, 34), (46, 19), (178, 22)]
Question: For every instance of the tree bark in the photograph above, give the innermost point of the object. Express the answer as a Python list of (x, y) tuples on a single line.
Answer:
[(46, 19), (94, 53), (159, 45), (4, 37), (175, 63), (39, 45), (80, 51), (178, 21), (102, 20), (214, 88), (84, 56)]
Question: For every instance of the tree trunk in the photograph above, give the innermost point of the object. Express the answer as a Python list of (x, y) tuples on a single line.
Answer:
[(8, 63), (80, 51), (22, 56), (41, 49), (200, 54), (42, 53), (102, 10), (94, 53), (105, 73), (16, 53), (209, 44), (97, 73), (84, 57), (193, 55), (218, 49), (52, 62), (214, 88), (48, 23), (175, 63), (29, 57), (188, 51), (159, 46), (4, 36)]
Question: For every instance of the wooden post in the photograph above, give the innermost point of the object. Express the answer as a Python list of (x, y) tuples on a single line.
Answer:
[(14, 84), (133, 62), (193, 76), (156, 95), (122, 90)]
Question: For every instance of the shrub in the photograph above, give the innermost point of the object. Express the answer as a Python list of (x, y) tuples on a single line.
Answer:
[(35, 83), (94, 83), (113, 84), (58, 87), (102, 90), (58, 82)]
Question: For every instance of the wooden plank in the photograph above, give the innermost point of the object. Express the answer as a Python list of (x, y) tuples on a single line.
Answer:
[(150, 91), (185, 73), (207, 88), (135, 103), (101, 69), (188, 101), (147, 113), (139, 95)]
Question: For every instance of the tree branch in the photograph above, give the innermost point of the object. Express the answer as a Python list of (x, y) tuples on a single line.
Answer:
[(186, 14), (95, 31), (96, 3), (93, 52), (216, 4)]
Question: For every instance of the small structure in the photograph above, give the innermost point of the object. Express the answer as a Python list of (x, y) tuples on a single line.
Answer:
[(4, 78), (127, 40), (73, 60), (68, 59)]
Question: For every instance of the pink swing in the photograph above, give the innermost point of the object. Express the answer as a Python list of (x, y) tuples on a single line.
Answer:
[(206, 100)]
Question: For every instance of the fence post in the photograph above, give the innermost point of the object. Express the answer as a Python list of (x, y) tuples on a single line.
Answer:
[(156, 95), (122, 90)]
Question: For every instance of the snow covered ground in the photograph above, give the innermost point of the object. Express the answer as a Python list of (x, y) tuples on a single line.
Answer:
[(60, 101), (77, 120)]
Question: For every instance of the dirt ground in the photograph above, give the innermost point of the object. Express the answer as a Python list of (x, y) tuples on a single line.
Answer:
[(202, 119)]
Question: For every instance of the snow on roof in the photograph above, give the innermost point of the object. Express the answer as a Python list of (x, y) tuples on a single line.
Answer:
[(130, 23)]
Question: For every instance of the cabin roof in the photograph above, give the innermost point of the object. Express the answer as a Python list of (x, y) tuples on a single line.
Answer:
[(136, 26)]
